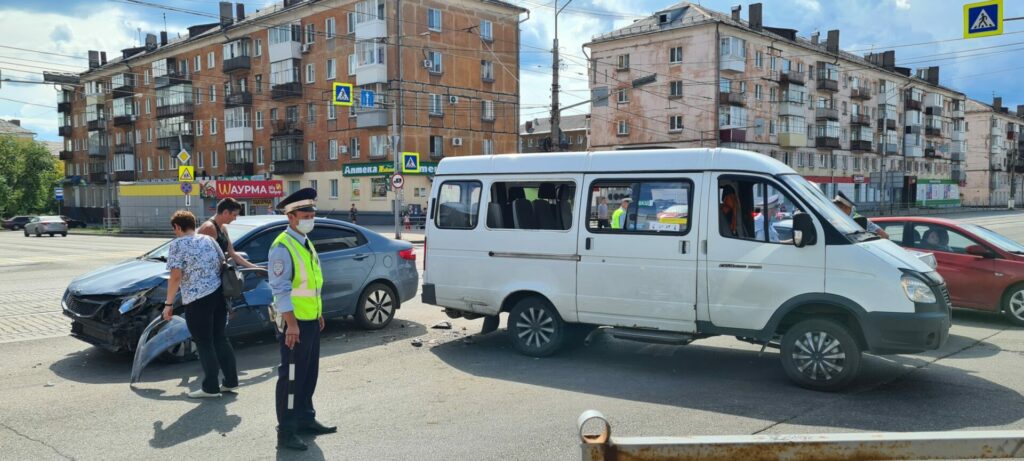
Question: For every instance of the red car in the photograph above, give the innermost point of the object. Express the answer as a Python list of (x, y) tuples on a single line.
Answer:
[(983, 270)]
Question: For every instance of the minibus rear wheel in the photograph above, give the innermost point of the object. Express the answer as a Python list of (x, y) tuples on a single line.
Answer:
[(820, 354), (535, 328)]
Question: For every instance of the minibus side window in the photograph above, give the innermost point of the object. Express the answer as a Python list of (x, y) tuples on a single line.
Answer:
[(753, 209), (534, 205), (656, 206), (458, 205)]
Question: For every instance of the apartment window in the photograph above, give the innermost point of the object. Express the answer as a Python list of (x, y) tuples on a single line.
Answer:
[(259, 83), (332, 149), (757, 92), (488, 147), (331, 69), (434, 19), (332, 112), (259, 120), (310, 73), (161, 165), (487, 110), (199, 127), (623, 128), (334, 188), (211, 59), (311, 112), (147, 107), (213, 159), (352, 64), (259, 47), (311, 151), (486, 30), (758, 59), (149, 164), (351, 22), (138, 136), (487, 71), (436, 107), (623, 61), (353, 147), (145, 77), (329, 28), (259, 155), (771, 95), (213, 93), (200, 158), (310, 33), (675, 89), (197, 64), (378, 146), (437, 146), (436, 62), (675, 55), (149, 134), (213, 126), (675, 123), (622, 96)]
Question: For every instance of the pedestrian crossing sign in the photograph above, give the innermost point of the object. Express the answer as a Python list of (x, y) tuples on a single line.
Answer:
[(410, 162), (186, 173), (983, 19), (342, 94)]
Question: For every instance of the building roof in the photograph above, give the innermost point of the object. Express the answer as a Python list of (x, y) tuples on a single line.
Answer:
[(568, 123), (54, 147), (975, 106), (14, 129)]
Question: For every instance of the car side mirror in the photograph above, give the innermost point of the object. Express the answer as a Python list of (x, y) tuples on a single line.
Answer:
[(862, 222), (978, 250), (804, 233)]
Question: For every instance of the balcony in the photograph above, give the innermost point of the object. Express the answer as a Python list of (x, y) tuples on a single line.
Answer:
[(734, 98), (123, 87), (930, 152), (64, 107), (860, 145), (98, 177), (171, 142), (791, 77), (64, 130), (236, 63), (911, 148), (862, 93), (95, 99), (98, 150), (825, 84), (860, 119), (66, 155), (125, 176), (172, 78), (371, 29), (98, 124), (912, 129), (732, 135), (792, 139), (958, 175), (369, 74), (1011, 135), (957, 156), (911, 104), (932, 131), (124, 149), (241, 169), (826, 142), (173, 110), (241, 133), (934, 111), (238, 98), (732, 63), (887, 123), (285, 129), (889, 148), (370, 118), (826, 113), (122, 120), (956, 113), (791, 108), (958, 135), (289, 166), (286, 91)]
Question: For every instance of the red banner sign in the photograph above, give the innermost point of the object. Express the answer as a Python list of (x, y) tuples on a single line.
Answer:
[(250, 189)]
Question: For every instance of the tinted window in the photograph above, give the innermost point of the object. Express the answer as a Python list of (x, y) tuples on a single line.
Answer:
[(543, 205), (458, 205), (327, 239), (259, 247)]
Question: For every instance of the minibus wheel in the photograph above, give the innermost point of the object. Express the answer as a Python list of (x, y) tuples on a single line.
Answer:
[(820, 354), (535, 328)]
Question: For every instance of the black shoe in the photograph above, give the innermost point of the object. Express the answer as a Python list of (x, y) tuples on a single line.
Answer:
[(290, 441), (315, 427)]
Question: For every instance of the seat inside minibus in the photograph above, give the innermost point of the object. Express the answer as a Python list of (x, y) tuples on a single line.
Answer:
[(531, 205)]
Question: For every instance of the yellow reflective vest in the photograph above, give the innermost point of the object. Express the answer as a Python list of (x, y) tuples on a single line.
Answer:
[(307, 279)]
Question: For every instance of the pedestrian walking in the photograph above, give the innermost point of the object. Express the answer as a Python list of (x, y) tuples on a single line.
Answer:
[(602, 213), (194, 261), (353, 214), (407, 221), (296, 280), (227, 212)]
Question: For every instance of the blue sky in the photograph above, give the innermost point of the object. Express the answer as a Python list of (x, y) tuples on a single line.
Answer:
[(977, 67)]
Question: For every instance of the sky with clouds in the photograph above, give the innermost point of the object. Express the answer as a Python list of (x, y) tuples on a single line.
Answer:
[(977, 67)]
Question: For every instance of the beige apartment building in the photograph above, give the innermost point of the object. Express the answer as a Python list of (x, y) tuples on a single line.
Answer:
[(250, 98), (992, 142), (689, 76)]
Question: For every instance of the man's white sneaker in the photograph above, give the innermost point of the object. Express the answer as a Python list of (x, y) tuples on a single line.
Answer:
[(201, 394), (232, 390)]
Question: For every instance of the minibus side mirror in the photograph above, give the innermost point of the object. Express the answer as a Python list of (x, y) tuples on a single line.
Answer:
[(862, 222), (803, 230)]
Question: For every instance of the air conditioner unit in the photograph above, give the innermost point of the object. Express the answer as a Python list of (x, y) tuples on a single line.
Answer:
[(306, 47), (428, 64), (343, 149), (453, 99), (456, 141)]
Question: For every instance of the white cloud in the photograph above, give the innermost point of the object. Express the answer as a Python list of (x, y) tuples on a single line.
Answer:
[(903, 4)]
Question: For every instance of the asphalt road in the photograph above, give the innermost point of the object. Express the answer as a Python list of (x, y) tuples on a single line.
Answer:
[(458, 396)]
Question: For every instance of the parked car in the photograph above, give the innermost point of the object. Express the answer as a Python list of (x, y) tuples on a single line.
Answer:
[(366, 275), (50, 225), (830, 293), (72, 222), (984, 270), (16, 223)]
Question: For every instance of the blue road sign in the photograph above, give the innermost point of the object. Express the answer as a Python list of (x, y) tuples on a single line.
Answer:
[(58, 193), (983, 19), (343, 94), (366, 98)]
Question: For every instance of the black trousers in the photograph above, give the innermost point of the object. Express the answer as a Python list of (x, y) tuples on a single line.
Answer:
[(306, 358), (206, 318)]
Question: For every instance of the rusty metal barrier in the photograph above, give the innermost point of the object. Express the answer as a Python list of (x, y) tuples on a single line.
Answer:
[(599, 445)]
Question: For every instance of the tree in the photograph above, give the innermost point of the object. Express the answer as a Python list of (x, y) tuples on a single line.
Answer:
[(28, 173)]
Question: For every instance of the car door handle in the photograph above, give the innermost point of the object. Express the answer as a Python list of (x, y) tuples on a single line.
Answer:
[(588, 243), (360, 257), (684, 246)]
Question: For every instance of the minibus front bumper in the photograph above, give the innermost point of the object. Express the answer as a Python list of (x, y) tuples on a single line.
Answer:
[(927, 328)]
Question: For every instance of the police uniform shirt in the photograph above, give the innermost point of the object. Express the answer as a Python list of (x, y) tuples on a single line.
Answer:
[(281, 275), (773, 234)]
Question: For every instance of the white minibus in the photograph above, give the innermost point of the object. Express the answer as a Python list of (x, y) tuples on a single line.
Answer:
[(671, 246)]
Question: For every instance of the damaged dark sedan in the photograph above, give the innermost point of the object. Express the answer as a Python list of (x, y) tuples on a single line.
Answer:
[(366, 275)]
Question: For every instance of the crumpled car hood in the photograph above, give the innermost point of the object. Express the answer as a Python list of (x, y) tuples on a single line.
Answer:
[(123, 278)]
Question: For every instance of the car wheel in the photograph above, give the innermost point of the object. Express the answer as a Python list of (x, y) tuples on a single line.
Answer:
[(820, 354), (63, 234), (1013, 304), (182, 352), (26, 232), (535, 327), (51, 234), (376, 307), (39, 233)]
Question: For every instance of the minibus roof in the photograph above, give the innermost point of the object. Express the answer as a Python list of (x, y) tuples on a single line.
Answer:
[(700, 159)]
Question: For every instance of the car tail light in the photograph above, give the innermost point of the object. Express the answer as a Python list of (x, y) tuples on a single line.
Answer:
[(408, 255)]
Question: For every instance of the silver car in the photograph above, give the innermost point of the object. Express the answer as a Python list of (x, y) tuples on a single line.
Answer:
[(50, 225)]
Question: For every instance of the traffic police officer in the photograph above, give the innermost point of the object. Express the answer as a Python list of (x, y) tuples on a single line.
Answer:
[(296, 280), (847, 206)]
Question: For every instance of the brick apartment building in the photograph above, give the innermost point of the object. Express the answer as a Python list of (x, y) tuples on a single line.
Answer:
[(535, 135), (249, 97), (689, 76), (993, 140)]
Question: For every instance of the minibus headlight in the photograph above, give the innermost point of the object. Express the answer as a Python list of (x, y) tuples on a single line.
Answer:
[(916, 290)]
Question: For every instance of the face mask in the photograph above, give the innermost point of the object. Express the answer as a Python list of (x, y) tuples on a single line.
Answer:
[(305, 226)]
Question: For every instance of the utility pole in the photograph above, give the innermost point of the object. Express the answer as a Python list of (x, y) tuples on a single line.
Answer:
[(1012, 168), (556, 136), (395, 137)]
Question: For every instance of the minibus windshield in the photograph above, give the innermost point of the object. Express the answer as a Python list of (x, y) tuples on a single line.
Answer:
[(810, 193)]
